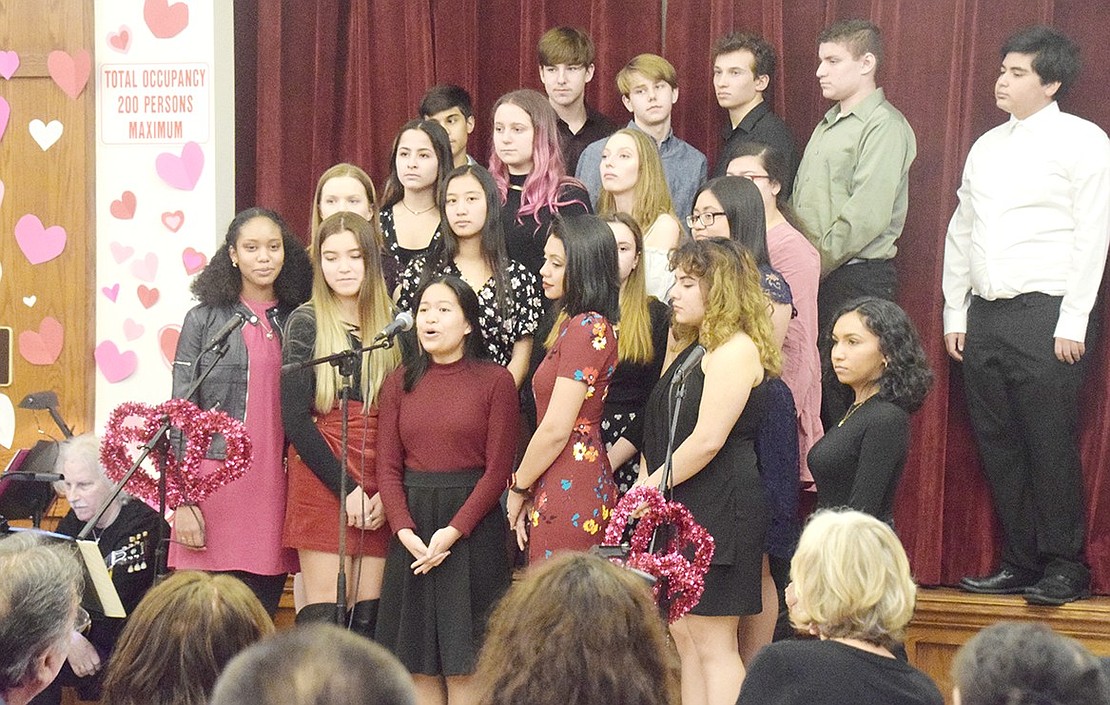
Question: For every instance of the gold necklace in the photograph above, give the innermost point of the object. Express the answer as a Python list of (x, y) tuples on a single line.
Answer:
[(417, 212), (852, 409)]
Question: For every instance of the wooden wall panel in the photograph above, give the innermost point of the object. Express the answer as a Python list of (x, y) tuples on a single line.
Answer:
[(55, 185)]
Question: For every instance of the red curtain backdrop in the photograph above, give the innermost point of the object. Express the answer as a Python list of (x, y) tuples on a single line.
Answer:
[(323, 81)]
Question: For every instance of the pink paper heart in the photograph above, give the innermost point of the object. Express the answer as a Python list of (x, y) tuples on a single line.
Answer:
[(132, 330), (145, 268), (1, 193), (167, 343), (5, 111), (111, 292), (120, 41), (9, 62), (42, 347), (114, 365), (173, 220), (165, 20), (148, 296), (120, 252), (39, 244), (124, 208), (181, 172), (194, 261), (71, 73)]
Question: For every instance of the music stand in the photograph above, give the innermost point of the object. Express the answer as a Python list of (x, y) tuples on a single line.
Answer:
[(20, 499)]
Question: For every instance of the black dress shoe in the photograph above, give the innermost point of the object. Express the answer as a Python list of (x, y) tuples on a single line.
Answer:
[(1056, 590), (1004, 582)]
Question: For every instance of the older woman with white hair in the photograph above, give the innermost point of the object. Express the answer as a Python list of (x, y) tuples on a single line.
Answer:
[(853, 591), (125, 535)]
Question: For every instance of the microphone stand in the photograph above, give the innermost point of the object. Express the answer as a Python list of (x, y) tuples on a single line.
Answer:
[(158, 438), (345, 362)]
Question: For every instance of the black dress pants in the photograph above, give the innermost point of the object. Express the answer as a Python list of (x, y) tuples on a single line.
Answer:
[(844, 284), (1023, 404)]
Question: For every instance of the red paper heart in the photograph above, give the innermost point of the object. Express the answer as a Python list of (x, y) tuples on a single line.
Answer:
[(148, 296), (165, 20), (124, 208), (167, 343), (120, 41), (42, 347)]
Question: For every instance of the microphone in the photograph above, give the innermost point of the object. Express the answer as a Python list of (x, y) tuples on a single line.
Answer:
[(220, 337), (693, 359), (402, 322), (27, 476)]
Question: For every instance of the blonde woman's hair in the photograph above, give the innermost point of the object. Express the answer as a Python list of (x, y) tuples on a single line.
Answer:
[(852, 579), (734, 301), (375, 311), (651, 195), (634, 343)]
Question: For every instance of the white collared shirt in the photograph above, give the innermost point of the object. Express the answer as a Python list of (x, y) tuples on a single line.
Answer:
[(1033, 216)]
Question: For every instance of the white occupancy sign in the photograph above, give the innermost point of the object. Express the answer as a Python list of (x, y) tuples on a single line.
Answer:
[(155, 103)]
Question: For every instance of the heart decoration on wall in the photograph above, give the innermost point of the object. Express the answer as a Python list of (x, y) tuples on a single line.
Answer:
[(148, 296), (132, 330), (124, 208), (110, 292), (9, 63), (7, 421), (38, 243), (167, 343), (45, 134), (30, 301), (120, 252), (173, 221), (42, 347), (165, 20), (194, 261), (5, 112), (1, 193), (146, 268), (70, 72), (182, 172), (120, 41), (116, 366)]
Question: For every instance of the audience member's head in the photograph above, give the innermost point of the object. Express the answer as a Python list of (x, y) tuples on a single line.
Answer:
[(83, 479), (576, 630), (180, 637), (1055, 55), (451, 107), (317, 664), (1013, 663), (851, 579), (40, 590)]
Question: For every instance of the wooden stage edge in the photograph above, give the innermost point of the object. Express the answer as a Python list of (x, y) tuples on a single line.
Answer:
[(947, 618)]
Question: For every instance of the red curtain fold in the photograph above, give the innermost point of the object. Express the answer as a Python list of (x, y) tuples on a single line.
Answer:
[(323, 81)]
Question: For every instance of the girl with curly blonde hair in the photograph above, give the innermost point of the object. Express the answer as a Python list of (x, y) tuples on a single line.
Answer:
[(718, 305)]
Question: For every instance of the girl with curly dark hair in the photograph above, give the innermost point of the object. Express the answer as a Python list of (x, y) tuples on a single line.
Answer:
[(261, 273), (877, 354)]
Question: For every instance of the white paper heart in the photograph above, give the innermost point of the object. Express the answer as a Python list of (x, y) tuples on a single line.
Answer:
[(45, 134), (30, 301), (7, 421)]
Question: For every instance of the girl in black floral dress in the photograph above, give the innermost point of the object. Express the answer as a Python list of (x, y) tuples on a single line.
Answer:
[(473, 248)]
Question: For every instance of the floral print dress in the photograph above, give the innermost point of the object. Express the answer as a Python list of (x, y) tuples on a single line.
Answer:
[(575, 496)]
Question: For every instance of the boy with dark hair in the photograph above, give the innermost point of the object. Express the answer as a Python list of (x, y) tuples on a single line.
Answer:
[(1023, 261), (743, 66), (566, 60), (649, 89), (451, 107)]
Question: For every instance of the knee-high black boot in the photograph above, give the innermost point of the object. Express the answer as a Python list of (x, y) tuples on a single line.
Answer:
[(364, 618), (316, 612)]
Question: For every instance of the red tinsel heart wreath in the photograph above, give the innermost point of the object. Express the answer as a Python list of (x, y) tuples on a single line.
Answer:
[(133, 423), (685, 580)]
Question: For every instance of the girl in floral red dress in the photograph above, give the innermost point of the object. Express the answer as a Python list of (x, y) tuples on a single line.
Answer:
[(563, 492)]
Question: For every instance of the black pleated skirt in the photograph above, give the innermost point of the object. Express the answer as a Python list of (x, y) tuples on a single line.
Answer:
[(435, 622)]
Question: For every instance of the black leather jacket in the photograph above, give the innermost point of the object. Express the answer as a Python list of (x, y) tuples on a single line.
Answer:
[(225, 388)]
